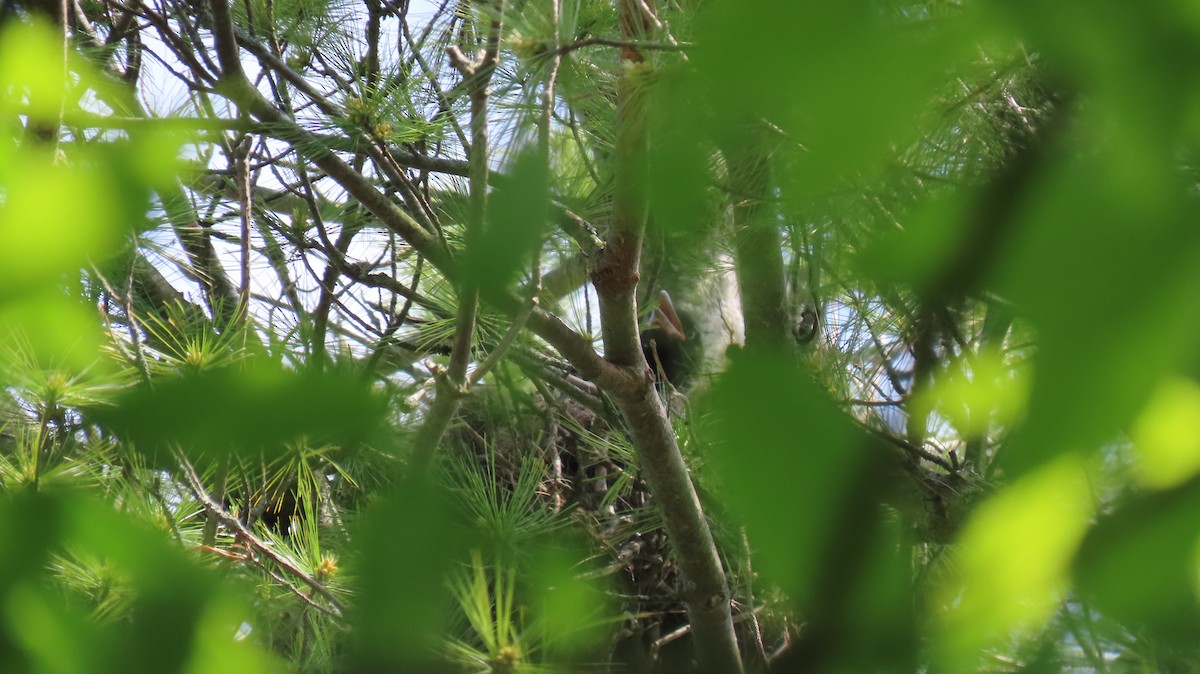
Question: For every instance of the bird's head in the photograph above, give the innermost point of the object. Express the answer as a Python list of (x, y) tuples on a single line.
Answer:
[(664, 318)]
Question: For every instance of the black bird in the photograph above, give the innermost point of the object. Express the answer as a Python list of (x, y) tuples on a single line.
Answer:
[(665, 344)]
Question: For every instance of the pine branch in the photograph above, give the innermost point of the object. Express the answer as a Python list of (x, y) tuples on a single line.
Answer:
[(196, 486)]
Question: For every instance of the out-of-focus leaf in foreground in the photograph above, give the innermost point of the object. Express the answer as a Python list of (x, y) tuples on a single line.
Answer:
[(1138, 565), (56, 218), (568, 610), (65, 206), (975, 392), (1013, 561), (1099, 262), (1166, 435), (809, 487), (784, 455), (179, 617), (32, 68), (52, 329), (516, 221), (409, 541), (260, 407), (844, 79)]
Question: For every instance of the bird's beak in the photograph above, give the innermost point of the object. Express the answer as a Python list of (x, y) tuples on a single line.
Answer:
[(666, 318)]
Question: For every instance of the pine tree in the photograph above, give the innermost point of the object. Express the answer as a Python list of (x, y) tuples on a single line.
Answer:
[(374, 384)]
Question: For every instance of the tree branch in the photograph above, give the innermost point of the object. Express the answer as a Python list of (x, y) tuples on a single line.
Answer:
[(244, 534), (228, 54), (705, 590), (762, 282), (452, 387), (562, 50)]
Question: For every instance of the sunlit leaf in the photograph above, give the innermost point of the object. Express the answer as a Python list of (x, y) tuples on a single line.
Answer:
[(53, 330), (33, 70), (55, 218), (1013, 561), (1167, 435), (975, 392)]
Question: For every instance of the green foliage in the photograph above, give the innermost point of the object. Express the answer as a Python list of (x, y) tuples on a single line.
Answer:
[(983, 450), (509, 517), (408, 541), (760, 456), (488, 606), (517, 220), (260, 408)]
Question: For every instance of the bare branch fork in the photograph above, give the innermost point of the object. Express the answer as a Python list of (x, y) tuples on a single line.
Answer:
[(569, 343)]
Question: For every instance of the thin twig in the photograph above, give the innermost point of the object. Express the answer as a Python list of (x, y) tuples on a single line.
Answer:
[(241, 162), (305, 598), (452, 385), (506, 342), (623, 44), (919, 452), (244, 534)]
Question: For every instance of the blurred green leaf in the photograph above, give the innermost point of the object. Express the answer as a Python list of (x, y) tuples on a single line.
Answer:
[(409, 542), (56, 218), (1167, 435), (52, 331), (782, 450), (866, 620), (259, 408), (42, 632), (217, 646), (1013, 561), (517, 218), (169, 591), (678, 173), (33, 69), (54, 638), (571, 613), (1100, 268), (933, 233), (33, 520), (31, 523), (1138, 565), (975, 392), (846, 80)]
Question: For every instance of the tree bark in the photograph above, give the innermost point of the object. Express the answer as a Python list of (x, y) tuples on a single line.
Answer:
[(705, 591)]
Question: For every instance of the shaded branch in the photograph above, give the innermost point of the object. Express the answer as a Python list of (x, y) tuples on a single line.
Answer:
[(243, 532), (453, 386), (623, 44)]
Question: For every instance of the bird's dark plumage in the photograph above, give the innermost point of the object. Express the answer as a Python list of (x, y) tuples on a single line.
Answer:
[(665, 343)]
